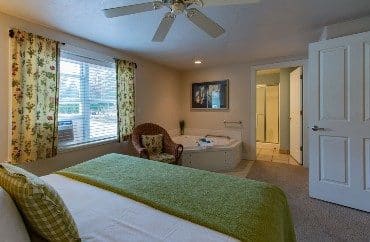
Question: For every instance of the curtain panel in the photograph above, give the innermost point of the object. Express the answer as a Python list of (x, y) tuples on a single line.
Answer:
[(125, 98), (34, 62)]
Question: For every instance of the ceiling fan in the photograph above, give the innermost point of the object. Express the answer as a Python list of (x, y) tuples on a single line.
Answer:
[(177, 7)]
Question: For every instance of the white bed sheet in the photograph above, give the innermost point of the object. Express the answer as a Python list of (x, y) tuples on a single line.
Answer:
[(101, 215)]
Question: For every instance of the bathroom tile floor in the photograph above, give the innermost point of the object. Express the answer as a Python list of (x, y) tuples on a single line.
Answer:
[(270, 152), (265, 152)]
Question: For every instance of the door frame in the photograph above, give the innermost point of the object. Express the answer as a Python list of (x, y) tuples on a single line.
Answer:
[(252, 115), (299, 156)]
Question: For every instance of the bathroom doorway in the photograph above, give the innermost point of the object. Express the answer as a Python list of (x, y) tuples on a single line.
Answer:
[(279, 115)]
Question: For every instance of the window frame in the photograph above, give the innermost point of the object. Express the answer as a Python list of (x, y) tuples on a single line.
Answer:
[(106, 62), (87, 145)]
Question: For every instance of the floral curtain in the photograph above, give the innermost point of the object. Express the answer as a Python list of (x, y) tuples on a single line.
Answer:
[(125, 98), (34, 97)]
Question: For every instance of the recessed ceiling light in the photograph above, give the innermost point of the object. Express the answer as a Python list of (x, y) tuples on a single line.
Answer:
[(197, 62)]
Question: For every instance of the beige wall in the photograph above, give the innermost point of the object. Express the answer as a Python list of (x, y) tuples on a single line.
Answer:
[(157, 94), (239, 99), (239, 76)]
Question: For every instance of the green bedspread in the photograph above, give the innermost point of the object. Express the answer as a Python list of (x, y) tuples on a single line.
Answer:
[(244, 209)]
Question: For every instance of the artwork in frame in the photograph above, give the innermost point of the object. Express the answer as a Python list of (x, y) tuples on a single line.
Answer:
[(210, 95)]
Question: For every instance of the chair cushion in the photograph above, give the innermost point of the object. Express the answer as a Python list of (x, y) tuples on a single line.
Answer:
[(163, 157), (153, 143), (41, 206)]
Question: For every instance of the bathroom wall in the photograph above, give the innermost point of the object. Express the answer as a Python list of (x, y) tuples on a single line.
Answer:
[(272, 114), (267, 107), (157, 95), (268, 79)]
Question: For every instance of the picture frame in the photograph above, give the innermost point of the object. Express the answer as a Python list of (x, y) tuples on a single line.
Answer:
[(210, 96)]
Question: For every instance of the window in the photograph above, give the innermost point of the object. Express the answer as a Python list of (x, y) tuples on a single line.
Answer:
[(87, 101)]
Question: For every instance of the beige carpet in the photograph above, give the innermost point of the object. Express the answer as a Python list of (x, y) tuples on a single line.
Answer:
[(314, 220)]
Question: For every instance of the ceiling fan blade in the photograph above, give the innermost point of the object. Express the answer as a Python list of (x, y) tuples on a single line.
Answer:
[(204, 23), (228, 2), (132, 9), (164, 27)]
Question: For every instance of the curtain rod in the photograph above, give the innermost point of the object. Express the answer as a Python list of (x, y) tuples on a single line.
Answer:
[(11, 35)]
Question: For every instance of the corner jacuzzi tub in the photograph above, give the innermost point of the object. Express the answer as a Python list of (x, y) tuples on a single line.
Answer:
[(217, 154)]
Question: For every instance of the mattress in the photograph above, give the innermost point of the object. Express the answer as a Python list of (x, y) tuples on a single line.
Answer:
[(101, 215)]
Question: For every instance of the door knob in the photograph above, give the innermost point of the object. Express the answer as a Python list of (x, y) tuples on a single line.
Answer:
[(317, 128)]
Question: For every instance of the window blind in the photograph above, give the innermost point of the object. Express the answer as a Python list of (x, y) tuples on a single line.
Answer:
[(87, 101)]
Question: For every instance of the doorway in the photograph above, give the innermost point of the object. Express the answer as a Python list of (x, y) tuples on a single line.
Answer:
[(279, 115)]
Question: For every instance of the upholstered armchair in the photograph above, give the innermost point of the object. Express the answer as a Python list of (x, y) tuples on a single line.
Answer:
[(171, 152)]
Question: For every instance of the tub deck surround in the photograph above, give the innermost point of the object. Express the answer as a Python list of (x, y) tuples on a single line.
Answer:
[(223, 155), (232, 132), (191, 143)]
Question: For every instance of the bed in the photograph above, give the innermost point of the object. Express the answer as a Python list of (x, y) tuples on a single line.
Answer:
[(101, 215), (122, 198)]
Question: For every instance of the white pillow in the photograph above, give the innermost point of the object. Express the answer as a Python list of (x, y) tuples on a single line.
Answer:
[(12, 228)]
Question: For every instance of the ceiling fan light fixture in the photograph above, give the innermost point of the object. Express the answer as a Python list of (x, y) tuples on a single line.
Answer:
[(178, 8)]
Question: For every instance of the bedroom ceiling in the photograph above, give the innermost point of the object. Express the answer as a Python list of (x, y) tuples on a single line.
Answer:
[(269, 29)]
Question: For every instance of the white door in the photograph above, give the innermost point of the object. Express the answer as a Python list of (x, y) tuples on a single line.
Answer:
[(340, 119), (295, 114)]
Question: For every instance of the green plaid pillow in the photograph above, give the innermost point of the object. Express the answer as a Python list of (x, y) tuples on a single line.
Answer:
[(40, 204), (153, 143)]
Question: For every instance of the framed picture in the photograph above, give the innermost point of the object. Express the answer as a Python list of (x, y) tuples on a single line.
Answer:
[(210, 95)]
